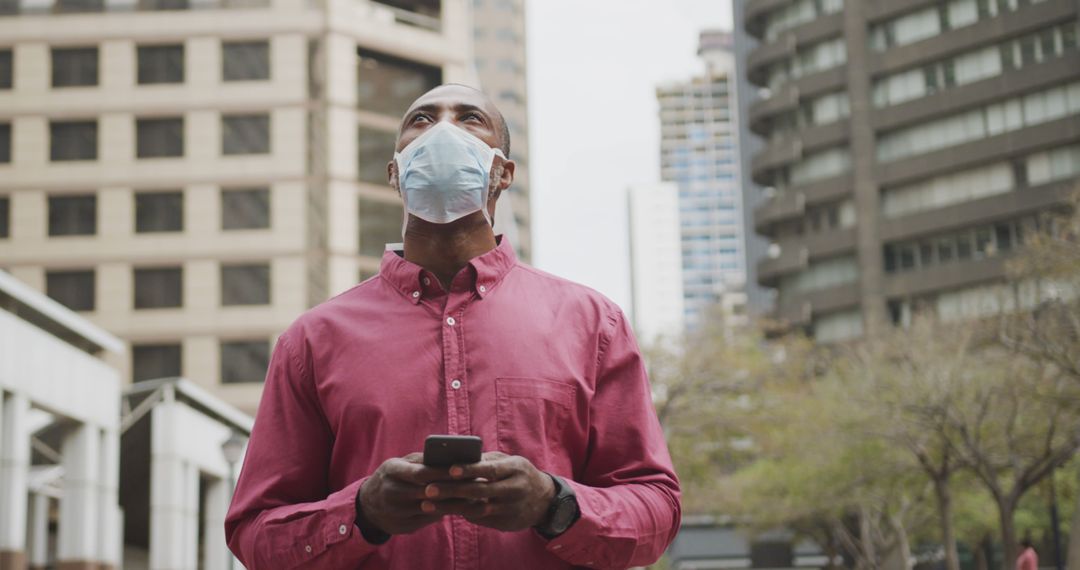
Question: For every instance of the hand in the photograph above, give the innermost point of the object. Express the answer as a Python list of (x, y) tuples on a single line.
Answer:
[(502, 492), (390, 499)]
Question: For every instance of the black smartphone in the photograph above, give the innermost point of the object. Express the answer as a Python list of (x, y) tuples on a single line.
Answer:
[(447, 450)]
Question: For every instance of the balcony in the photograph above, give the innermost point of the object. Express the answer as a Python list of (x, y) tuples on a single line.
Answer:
[(783, 206), (797, 252), (756, 10), (426, 14), (800, 308)]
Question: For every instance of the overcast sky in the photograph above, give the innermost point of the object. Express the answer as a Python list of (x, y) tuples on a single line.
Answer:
[(593, 69)]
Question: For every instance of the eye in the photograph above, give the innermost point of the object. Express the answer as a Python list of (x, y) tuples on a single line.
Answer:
[(421, 117), (472, 116)]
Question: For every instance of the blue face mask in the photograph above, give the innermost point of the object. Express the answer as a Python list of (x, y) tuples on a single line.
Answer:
[(444, 174)]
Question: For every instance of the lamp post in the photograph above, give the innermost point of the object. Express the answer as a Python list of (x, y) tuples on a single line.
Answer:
[(233, 450)]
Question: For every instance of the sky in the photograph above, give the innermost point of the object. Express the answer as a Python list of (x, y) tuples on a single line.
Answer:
[(593, 67)]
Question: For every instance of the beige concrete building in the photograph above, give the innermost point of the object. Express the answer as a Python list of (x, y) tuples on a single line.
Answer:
[(190, 175), (501, 65)]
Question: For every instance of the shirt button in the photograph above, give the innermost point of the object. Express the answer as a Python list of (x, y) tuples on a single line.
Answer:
[(455, 384), (343, 529), (556, 547), (427, 281), (450, 321), (415, 294), (483, 289), (307, 548)]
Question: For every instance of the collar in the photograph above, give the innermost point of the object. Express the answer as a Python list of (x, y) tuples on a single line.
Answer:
[(484, 272)]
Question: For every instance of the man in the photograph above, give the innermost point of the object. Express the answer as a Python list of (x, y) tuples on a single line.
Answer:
[(1028, 559), (455, 336)]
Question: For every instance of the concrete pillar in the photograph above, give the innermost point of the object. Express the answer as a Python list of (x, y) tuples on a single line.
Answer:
[(216, 554), (110, 540), (39, 531), (14, 477), (170, 541), (79, 524)]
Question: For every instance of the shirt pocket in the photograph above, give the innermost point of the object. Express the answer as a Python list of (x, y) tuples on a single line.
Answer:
[(531, 419)]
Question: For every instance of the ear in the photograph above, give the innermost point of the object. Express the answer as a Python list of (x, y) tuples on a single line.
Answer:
[(507, 177), (392, 175)]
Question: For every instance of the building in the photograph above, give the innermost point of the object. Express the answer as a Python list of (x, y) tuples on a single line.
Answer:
[(656, 261), (759, 299), (191, 175), (93, 475), (501, 66), (59, 435), (704, 543), (910, 145), (699, 152)]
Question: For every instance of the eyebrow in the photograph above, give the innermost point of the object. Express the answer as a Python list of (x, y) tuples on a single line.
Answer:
[(458, 108)]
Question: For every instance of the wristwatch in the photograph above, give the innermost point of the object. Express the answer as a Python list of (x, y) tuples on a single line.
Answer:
[(563, 511)]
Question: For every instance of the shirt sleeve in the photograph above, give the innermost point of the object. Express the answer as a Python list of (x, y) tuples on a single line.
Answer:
[(628, 493), (282, 513)]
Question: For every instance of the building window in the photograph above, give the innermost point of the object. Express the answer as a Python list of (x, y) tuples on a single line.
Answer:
[(73, 215), (245, 209), (159, 138), (5, 217), (376, 149), (159, 288), (244, 361), (155, 5), (149, 361), (245, 134), (5, 143), (1009, 115), (73, 140), (245, 61), (159, 212), (245, 284), (7, 69), (978, 242), (161, 64), (388, 84), (73, 289), (74, 67), (380, 223), (76, 6)]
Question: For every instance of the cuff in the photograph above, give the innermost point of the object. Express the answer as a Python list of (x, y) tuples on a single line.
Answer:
[(335, 529), (579, 544)]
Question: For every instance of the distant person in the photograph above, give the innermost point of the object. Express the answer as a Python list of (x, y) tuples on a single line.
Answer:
[(1028, 559), (456, 336)]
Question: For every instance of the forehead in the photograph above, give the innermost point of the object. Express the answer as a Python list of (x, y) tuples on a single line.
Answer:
[(450, 96)]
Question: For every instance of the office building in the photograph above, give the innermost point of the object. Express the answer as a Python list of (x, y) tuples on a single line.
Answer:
[(699, 152), (759, 299), (656, 261), (191, 175), (501, 65), (910, 146)]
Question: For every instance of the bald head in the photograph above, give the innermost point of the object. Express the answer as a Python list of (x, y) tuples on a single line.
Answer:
[(455, 102)]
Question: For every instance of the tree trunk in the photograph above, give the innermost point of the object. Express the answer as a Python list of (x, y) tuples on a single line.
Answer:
[(866, 539), (1009, 545), (1074, 539), (981, 563), (948, 531), (903, 544)]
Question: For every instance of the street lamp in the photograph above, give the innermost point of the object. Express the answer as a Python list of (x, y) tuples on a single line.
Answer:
[(233, 450)]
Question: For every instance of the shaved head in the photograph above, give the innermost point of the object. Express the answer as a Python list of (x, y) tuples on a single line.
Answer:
[(481, 99)]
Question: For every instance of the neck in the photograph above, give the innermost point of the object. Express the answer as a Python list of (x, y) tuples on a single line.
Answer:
[(444, 249)]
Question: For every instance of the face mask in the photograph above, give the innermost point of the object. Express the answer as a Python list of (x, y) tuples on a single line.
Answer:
[(444, 174)]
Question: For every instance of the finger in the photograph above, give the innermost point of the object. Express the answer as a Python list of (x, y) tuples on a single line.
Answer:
[(493, 469), (456, 507), (456, 470), (415, 473), (504, 490)]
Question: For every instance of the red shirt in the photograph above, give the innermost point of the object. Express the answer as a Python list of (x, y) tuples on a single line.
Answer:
[(535, 365), (1028, 560)]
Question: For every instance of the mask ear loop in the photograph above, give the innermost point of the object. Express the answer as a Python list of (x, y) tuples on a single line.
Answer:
[(404, 200)]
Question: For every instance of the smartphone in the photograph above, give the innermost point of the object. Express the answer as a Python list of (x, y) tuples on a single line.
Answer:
[(447, 450)]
